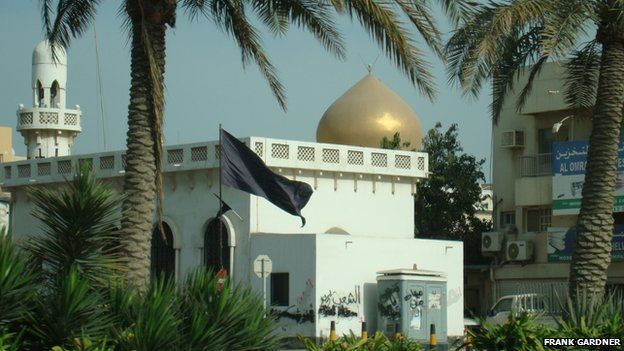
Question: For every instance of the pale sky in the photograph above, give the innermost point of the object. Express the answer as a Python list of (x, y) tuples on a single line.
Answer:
[(207, 85)]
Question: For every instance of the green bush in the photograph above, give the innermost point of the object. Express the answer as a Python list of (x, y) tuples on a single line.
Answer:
[(377, 342), (593, 316), (520, 333)]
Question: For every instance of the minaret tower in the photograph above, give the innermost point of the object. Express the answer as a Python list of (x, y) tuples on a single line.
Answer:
[(48, 127)]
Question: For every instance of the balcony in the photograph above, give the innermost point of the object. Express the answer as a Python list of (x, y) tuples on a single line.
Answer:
[(538, 165)]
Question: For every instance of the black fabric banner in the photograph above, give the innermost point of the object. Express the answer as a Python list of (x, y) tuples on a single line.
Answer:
[(242, 169)]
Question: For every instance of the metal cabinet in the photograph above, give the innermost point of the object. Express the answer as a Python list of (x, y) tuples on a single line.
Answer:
[(410, 301)]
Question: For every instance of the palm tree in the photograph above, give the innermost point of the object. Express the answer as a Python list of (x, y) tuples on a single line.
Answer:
[(499, 41), (147, 22)]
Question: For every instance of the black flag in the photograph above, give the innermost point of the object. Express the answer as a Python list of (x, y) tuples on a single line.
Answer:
[(242, 169), (223, 208)]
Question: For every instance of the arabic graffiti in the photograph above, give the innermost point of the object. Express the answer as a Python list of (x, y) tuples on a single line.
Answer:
[(302, 311), (298, 316), (389, 303), (341, 305), (415, 298)]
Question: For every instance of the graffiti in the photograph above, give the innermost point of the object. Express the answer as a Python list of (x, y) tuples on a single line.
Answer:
[(340, 305), (416, 301), (298, 316), (389, 303), (415, 298), (301, 312)]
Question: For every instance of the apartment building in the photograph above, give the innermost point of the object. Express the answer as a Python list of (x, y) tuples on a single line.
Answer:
[(538, 160)]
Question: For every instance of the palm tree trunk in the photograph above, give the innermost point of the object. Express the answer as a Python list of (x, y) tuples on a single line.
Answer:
[(140, 176), (592, 254)]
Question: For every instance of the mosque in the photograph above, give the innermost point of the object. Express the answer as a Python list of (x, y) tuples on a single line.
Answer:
[(360, 219)]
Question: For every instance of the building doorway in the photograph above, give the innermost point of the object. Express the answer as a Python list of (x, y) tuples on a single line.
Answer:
[(216, 246), (163, 253)]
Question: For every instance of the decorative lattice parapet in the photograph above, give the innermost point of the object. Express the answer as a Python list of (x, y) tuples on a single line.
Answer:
[(277, 154), (48, 118)]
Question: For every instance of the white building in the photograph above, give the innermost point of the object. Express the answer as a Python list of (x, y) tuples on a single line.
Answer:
[(48, 127), (359, 219)]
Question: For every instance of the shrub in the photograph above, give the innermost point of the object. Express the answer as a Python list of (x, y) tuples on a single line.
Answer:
[(592, 316), (520, 333), (377, 342)]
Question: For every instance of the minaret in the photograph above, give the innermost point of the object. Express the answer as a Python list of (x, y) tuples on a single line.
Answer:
[(48, 127)]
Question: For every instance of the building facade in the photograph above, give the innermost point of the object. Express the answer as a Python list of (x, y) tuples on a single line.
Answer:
[(538, 171), (359, 219)]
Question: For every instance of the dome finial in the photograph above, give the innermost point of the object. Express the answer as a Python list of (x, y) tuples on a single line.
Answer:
[(369, 67)]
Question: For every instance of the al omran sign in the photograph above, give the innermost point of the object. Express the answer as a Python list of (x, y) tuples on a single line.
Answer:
[(568, 168)]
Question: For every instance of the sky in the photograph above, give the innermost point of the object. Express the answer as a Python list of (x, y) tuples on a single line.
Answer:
[(206, 83)]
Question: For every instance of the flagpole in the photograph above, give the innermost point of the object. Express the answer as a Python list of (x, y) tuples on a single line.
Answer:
[(220, 200)]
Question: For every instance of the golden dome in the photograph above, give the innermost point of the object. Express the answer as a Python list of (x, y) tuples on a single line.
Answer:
[(365, 114)]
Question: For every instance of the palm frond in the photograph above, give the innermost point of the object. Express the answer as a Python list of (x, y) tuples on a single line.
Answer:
[(457, 10), (564, 26), (17, 288), (312, 15), (78, 224), (419, 14), (230, 16), (72, 18), (581, 76), (474, 49), (516, 54), (528, 87), (385, 26)]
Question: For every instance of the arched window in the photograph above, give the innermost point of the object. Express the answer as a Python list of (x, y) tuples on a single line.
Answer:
[(216, 247), (40, 94), (163, 253), (55, 94)]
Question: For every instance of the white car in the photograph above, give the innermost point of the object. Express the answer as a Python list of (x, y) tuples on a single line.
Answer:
[(531, 303)]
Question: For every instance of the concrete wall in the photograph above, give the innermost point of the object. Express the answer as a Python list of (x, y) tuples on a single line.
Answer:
[(345, 262), (350, 202), (335, 270), (293, 254)]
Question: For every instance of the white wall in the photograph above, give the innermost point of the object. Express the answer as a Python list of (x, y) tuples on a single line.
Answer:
[(356, 210), (335, 266), (345, 261), (294, 254)]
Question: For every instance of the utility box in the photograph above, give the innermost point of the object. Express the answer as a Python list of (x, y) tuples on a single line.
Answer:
[(410, 301)]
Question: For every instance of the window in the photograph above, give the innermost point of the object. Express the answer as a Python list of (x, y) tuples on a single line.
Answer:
[(54, 94), (163, 253), (545, 138), (216, 248), (538, 220), (503, 305), (279, 289), (40, 94), (507, 218)]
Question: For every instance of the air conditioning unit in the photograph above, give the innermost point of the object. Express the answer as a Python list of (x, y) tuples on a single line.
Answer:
[(512, 139), (519, 250), (491, 241)]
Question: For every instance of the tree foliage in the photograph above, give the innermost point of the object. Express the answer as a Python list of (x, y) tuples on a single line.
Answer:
[(447, 201)]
